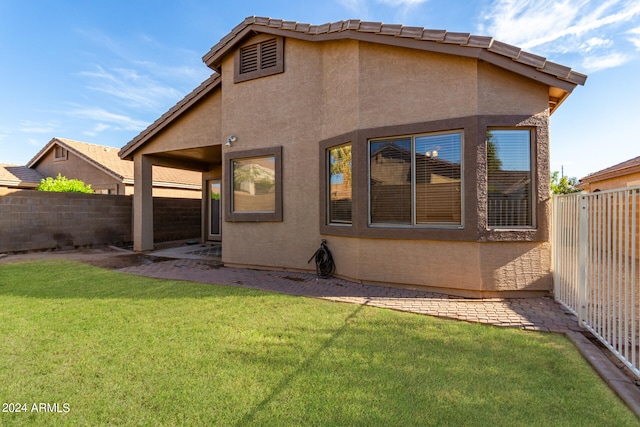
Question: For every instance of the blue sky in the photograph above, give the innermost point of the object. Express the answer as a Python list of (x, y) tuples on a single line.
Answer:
[(102, 71)]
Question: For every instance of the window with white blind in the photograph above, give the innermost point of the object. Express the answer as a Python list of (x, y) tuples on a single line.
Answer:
[(340, 184), (416, 180), (509, 178)]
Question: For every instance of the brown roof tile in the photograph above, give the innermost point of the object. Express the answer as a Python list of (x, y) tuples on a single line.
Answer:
[(391, 29), (556, 69), (370, 27), (457, 38), (433, 35), (531, 59), (14, 175), (480, 41), (505, 49), (411, 32)]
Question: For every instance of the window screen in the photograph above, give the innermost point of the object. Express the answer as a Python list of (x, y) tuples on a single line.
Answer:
[(416, 181), (340, 184), (509, 178), (254, 185)]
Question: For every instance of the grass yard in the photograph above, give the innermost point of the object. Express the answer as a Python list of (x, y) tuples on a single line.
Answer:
[(104, 348)]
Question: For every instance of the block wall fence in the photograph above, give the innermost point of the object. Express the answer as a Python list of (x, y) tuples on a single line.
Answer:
[(34, 220)]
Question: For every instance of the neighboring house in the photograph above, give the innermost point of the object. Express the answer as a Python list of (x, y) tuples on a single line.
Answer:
[(19, 177), (101, 167), (422, 156), (625, 174)]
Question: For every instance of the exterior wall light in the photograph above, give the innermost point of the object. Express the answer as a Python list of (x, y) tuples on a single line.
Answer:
[(231, 140)]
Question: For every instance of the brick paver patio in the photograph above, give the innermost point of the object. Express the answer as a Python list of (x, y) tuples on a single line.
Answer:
[(541, 314)]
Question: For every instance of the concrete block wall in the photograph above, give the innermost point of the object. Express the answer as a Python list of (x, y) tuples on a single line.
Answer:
[(33, 220), (176, 219)]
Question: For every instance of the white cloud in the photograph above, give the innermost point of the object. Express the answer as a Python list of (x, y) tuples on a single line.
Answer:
[(401, 3), (611, 60), (400, 9), (635, 37), (358, 7), (594, 43), (136, 90), (100, 115), (29, 126), (550, 28)]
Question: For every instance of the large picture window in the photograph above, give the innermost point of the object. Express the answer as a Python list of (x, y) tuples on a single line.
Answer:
[(509, 178), (416, 180), (254, 185), (340, 184)]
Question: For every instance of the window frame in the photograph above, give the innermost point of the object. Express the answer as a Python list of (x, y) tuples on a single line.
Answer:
[(414, 224), (532, 176), (60, 154), (229, 158), (259, 72)]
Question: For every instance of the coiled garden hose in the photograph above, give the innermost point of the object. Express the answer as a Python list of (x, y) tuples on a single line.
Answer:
[(325, 266)]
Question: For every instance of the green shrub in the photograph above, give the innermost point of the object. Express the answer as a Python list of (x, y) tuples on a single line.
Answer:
[(63, 185)]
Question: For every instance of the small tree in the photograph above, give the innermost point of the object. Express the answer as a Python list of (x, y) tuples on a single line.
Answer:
[(563, 185), (63, 185)]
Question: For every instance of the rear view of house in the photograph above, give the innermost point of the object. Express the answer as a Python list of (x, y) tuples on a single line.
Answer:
[(421, 156)]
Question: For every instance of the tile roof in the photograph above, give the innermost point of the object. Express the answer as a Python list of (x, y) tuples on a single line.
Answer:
[(14, 175), (107, 159), (395, 34), (628, 166)]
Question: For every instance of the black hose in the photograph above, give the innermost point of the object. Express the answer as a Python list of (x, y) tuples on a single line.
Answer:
[(325, 266)]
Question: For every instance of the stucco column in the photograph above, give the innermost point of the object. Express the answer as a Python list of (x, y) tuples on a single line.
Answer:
[(142, 204)]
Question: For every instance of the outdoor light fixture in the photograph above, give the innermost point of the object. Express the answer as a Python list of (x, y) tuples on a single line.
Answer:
[(231, 140)]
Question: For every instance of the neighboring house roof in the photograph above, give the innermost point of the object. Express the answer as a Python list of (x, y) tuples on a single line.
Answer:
[(624, 168), (19, 176), (561, 79), (106, 159)]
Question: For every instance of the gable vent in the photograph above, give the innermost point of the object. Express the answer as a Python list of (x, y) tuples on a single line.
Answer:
[(263, 58), (249, 59), (268, 54)]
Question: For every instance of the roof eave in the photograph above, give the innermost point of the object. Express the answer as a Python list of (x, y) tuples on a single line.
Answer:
[(441, 41), (205, 88), (601, 176)]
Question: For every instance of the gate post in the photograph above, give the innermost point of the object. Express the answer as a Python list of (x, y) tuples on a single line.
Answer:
[(583, 245)]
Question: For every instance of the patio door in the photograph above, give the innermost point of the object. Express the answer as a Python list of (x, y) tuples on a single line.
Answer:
[(214, 210)]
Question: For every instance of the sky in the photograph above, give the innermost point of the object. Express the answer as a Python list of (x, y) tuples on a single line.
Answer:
[(101, 71)]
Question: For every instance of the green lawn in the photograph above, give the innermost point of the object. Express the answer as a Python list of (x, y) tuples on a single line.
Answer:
[(125, 350)]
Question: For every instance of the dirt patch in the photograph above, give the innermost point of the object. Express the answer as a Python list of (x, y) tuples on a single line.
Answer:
[(115, 262), (103, 257)]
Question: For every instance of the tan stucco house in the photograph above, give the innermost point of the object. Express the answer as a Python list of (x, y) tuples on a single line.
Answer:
[(421, 156), (101, 167), (625, 174)]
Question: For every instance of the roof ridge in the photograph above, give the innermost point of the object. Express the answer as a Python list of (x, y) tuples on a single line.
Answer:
[(462, 39)]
